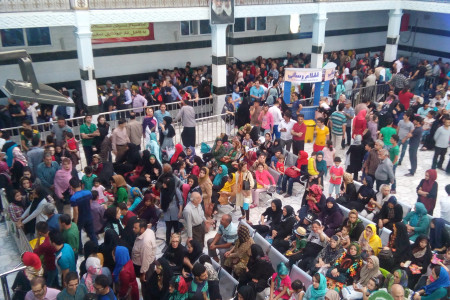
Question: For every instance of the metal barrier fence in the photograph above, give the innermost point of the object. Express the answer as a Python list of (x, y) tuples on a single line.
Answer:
[(375, 93)]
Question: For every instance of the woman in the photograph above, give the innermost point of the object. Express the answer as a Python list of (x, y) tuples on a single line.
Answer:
[(206, 186), (172, 205), (359, 123), (157, 285), (355, 224), (246, 293), (242, 114), (427, 190), (317, 289), (281, 283), (340, 88), (168, 132), (369, 271), (314, 201), (103, 128), (124, 277), (244, 183), (129, 161), (146, 209), (93, 268), (227, 193), (110, 243), (417, 221), (232, 153), (63, 190), (398, 249), (301, 168), (328, 255), (347, 266), (33, 269), (16, 205), (364, 195), (133, 175), (218, 151), (397, 277), (356, 152), (153, 146), (120, 189), (369, 241), (148, 124), (348, 190), (193, 252), (175, 157), (113, 222), (331, 217), (438, 288), (419, 260), (439, 237), (259, 270), (97, 165), (269, 218), (193, 186), (264, 180), (283, 229), (90, 249), (264, 147), (390, 213), (175, 253), (33, 214), (237, 257)]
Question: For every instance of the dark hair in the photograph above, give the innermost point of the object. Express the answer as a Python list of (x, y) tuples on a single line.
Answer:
[(395, 137), (132, 116), (87, 115), (288, 113), (122, 121), (88, 170), (321, 120), (74, 182), (142, 223), (297, 285), (56, 237), (38, 280), (198, 269), (35, 140), (102, 280), (437, 270), (68, 134), (371, 144), (94, 195), (42, 227), (26, 122), (341, 106), (337, 159), (6, 134), (317, 277), (447, 188), (70, 276), (205, 258), (300, 116), (65, 219), (96, 179), (389, 121), (123, 205)]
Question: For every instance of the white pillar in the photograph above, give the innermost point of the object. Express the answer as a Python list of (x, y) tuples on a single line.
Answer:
[(318, 40), (219, 65), (393, 35), (83, 36)]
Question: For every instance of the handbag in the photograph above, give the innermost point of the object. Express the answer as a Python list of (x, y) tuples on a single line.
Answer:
[(291, 172)]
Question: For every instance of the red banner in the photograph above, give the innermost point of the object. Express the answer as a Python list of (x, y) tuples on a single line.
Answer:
[(119, 33)]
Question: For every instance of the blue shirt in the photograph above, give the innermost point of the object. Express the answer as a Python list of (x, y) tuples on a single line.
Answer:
[(65, 259), (160, 116), (229, 234), (47, 174), (53, 222), (82, 199), (257, 92), (109, 296)]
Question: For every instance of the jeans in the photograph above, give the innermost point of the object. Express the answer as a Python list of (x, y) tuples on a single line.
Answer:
[(88, 227), (394, 185), (276, 132), (298, 145), (413, 158), (88, 153), (213, 253), (438, 152), (348, 136), (52, 278), (280, 182), (420, 85), (290, 185), (288, 144), (404, 146)]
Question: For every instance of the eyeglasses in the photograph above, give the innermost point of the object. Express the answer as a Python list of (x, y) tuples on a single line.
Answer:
[(38, 291)]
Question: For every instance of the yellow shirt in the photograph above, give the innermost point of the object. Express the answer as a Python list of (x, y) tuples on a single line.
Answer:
[(321, 135), (311, 170)]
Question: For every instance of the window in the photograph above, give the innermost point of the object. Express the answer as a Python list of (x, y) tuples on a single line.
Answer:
[(205, 28), (239, 25), (34, 36), (251, 24), (195, 27), (248, 24), (261, 23)]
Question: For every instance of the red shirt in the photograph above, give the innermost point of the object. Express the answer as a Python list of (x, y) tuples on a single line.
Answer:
[(280, 167), (299, 128), (127, 217), (48, 252), (127, 279), (405, 98)]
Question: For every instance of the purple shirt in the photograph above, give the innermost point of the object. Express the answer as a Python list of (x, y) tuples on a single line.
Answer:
[(50, 295), (138, 103), (373, 127), (97, 211)]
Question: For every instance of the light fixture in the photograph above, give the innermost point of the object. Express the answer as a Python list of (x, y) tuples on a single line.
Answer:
[(294, 23)]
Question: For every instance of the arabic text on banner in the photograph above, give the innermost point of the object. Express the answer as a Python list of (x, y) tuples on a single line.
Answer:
[(298, 76)]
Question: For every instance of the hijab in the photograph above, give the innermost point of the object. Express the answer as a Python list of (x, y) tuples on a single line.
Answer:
[(197, 251), (178, 150), (4, 170), (275, 216), (357, 140), (401, 243), (442, 281), (247, 292), (242, 114), (154, 147), (302, 158), (321, 165), (403, 279), (133, 155), (93, 268), (332, 295), (374, 241), (169, 126), (149, 167), (181, 288), (33, 265), (62, 178), (289, 213), (427, 184), (419, 212), (321, 290), (243, 235), (361, 116), (330, 211), (219, 176), (167, 194), (202, 180), (436, 233), (281, 270), (120, 182), (366, 274), (367, 190), (122, 258)]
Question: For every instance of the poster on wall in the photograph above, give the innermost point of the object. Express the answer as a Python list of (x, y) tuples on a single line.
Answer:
[(119, 33), (297, 76), (222, 12)]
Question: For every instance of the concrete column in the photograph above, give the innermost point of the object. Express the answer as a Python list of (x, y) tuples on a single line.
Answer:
[(219, 65), (83, 35), (393, 35), (318, 40)]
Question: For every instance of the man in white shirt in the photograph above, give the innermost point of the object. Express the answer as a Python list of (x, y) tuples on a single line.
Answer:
[(445, 204), (398, 64), (277, 117), (144, 249), (285, 128)]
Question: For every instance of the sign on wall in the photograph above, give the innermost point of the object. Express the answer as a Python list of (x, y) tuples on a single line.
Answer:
[(297, 76), (118, 33), (222, 12), (328, 74)]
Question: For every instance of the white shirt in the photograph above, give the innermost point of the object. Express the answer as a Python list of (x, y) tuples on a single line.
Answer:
[(287, 134), (445, 207), (276, 113), (398, 65)]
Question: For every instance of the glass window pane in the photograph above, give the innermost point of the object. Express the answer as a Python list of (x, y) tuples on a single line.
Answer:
[(239, 25), (12, 37), (251, 23), (261, 23), (204, 27), (194, 27), (184, 27), (38, 36)]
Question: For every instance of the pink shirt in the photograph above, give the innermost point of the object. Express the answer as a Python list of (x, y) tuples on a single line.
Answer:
[(101, 196), (328, 156), (264, 177), (284, 282), (266, 120), (336, 171)]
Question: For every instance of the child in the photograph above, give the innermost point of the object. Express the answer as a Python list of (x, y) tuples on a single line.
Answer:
[(247, 142), (137, 197), (344, 236), (298, 290), (280, 169), (280, 287), (177, 288), (100, 190), (312, 169), (336, 173), (274, 159), (213, 277), (295, 252), (372, 125), (329, 153), (182, 172), (88, 178), (72, 146)]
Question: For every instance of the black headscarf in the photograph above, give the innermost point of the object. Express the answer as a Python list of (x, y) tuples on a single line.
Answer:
[(169, 126), (109, 244), (274, 216), (132, 155), (329, 211), (247, 292), (154, 291), (167, 194), (289, 214), (243, 113), (197, 251)]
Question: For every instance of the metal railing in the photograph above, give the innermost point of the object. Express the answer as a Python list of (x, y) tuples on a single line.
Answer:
[(4, 281)]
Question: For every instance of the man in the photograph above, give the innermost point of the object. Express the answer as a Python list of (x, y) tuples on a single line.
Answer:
[(102, 288), (338, 125), (398, 81), (398, 64), (187, 117), (195, 219), (223, 240), (47, 251), (40, 291), (35, 154), (255, 111), (88, 132), (349, 113), (70, 233), (322, 135), (404, 128), (81, 206), (65, 257), (371, 79), (199, 285), (171, 92), (144, 249), (298, 132), (28, 130), (134, 130), (128, 97), (398, 292), (386, 133), (257, 92), (414, 143), (52, 218), (125, 213), (385, 171), (424, 110), (277, 117), (274, 72), (442, 138), (16, 112), (444, 200), (285, 128), (139, 102), (296, 105), (46, 171), (419, 77), (73, 290), (120, 139), (59, 129)]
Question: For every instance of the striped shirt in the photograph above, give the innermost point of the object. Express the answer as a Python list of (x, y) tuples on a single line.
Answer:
[(338, 119), (229, 234)]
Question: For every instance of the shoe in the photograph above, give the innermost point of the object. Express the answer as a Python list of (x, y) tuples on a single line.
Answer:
[(399, 163), (409, 175), (287, 196), (441, 168)]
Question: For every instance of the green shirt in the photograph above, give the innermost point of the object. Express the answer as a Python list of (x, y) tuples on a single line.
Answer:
[(88, 181), (387, 132), (72, 237), (122, 195), (300, 244), (393, 152), (87, 130)]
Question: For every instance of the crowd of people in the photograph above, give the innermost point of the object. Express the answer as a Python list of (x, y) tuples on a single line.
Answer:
[(137, 180)]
